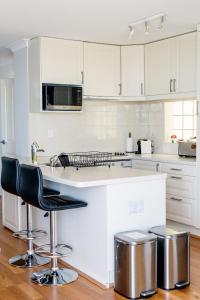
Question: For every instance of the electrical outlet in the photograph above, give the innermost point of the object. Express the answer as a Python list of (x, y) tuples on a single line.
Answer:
[(136, 207)]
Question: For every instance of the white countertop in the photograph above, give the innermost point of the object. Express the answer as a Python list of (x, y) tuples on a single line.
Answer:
[(98, 176), (168, 158)]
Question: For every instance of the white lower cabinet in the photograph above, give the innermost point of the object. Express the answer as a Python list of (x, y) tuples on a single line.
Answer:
[(181, 189), (180, 209), (181, 193), (14, 214), (146, 165)]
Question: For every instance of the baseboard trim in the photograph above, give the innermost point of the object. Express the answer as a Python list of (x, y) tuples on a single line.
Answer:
[(195, 236), (89, 278)]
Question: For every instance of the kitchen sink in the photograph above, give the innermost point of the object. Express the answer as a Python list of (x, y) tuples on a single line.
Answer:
[(48, 165)]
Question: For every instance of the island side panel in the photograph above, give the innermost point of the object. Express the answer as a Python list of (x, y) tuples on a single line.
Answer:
[(139, 205), (85, 229)]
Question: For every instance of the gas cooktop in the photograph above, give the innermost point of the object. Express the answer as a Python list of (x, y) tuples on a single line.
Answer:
[(119, 154)]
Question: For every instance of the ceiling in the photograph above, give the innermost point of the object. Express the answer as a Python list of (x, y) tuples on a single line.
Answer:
[(104, 21)]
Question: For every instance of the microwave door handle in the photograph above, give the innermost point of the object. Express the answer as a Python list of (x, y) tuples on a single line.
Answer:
[(46, 96)]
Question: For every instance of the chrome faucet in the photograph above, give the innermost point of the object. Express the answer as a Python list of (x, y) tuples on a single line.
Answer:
[(34, 150)]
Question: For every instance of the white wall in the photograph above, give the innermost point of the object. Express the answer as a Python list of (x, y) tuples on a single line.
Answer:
[(6, 64), (198, 118), (7, 71), (21, 98)]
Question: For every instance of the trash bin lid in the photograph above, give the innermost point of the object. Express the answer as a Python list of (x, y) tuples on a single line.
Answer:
[(168, 231), (135, 237)]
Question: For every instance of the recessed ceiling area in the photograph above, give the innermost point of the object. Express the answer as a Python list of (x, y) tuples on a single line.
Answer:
[(104, 21)]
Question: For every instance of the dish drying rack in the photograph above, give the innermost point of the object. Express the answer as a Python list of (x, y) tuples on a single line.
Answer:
[(85, 159)]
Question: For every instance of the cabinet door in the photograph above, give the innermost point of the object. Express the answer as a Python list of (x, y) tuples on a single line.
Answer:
[(187, 60), (61, 61), (132, 70), (101, 70), (157, 68), (10, 211)]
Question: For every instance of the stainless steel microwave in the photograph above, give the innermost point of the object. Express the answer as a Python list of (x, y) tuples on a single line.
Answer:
[(61, 97)]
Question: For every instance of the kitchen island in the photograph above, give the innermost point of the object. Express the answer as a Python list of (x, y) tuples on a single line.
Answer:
[(119, 199)]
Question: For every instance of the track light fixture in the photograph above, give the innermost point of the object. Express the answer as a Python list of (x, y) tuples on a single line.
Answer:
[(160, 25), (149, 21)]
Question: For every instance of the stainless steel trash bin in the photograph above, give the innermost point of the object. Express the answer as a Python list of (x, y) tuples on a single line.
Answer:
[(135, 264), (173, 252)]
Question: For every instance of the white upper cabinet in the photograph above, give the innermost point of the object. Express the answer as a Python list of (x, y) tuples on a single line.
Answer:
[(157, 68), (187, 60), (132, 71), (61, 61), (101, 70), (171, 66), (113, 71)]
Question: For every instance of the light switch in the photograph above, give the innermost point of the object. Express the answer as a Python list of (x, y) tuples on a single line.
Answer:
[(50, 133)]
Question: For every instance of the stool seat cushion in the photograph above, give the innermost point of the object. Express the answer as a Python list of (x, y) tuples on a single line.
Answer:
[(10, 175), (49, 192), (31, 190), (55, 203)]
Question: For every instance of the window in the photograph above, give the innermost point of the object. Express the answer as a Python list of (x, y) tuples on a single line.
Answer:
[(180, 119)]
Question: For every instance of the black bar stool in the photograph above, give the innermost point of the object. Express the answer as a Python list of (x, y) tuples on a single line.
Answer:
[(10, 181), (31, 192)]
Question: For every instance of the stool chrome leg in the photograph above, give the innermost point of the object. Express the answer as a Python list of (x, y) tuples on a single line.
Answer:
[(54, 275), (29, 259)]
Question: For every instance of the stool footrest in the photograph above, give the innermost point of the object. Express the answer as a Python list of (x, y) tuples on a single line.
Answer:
[(60, 250), (25, 235), (26, 260)]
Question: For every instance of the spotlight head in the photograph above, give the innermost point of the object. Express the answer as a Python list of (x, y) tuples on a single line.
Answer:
[(131, 33)]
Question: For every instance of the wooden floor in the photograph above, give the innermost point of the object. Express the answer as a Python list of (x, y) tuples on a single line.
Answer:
[(15, 283)]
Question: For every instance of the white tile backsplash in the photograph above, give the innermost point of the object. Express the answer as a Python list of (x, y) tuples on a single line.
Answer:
[(150, 123), (103, 125)]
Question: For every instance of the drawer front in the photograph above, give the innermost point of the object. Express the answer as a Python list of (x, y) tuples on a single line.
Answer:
[(179, 210), (184, 186), (146, 165), (178, 169), (122, 163)]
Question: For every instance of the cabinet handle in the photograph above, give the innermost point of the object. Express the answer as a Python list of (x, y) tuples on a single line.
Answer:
[(176, 177), (171, 85), (82, 77), (120, 88), (197, 107), (157, 167), (142, 88), (174, 85), (174, 169), (176, 199)]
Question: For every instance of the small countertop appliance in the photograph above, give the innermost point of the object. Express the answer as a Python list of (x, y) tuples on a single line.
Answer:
[(187, 148), (144, 146)]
